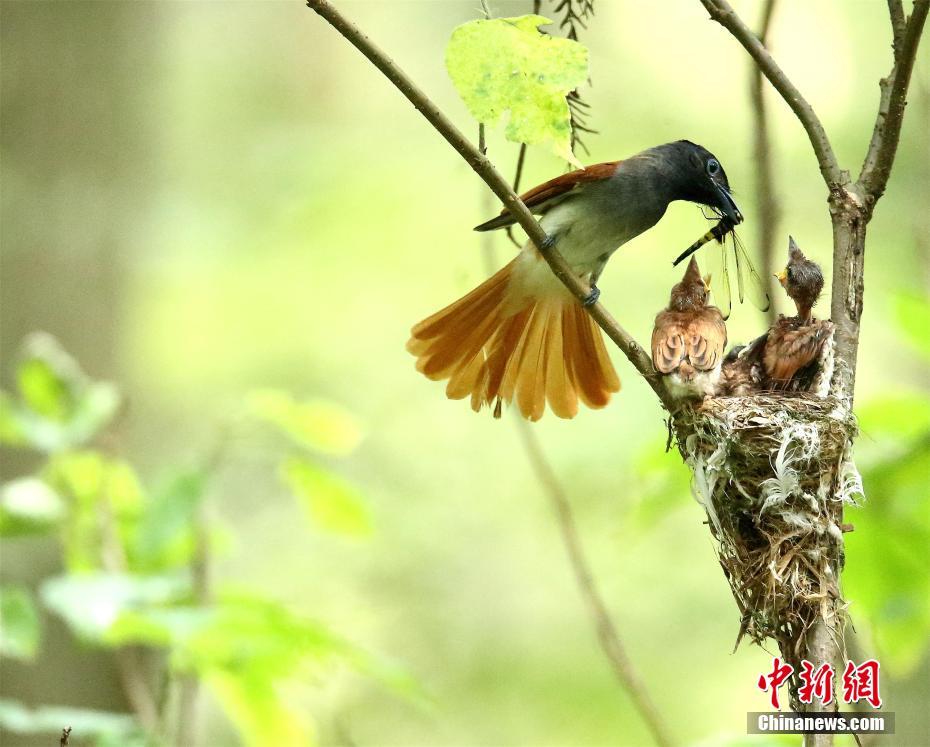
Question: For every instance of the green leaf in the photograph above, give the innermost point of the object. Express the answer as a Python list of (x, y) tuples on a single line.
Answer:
[(913, 316), (11, 431), (263, 717), (92, 603), (29, 506), (506, 64), (331, 502), (95, 485), (114, 728), (59, 407), (314, 424), (164, 537), (19, 623)]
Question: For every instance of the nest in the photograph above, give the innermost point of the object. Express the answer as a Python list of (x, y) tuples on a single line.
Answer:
[(773, 472)]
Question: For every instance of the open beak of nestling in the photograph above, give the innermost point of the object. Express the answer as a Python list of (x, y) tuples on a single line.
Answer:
[(727, 204), (783, 277)]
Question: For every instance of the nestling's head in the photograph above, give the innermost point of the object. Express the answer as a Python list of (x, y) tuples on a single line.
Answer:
[(801, 279), (692, 292), (699, 177)]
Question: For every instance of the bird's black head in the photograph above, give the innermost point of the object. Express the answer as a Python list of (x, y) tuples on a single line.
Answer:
[(699, 177)]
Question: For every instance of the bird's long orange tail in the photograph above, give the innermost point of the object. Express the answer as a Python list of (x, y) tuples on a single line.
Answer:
[(495, 346)]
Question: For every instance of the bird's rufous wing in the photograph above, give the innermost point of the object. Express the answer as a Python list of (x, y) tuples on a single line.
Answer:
[(706, 338), (790, 348), (542, 197), (668, 342)]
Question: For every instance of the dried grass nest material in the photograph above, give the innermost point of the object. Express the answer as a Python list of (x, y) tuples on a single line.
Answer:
[(773, 472)]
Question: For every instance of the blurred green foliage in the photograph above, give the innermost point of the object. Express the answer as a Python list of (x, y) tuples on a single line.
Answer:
[(888, 573), (135, 562), (208, 200)]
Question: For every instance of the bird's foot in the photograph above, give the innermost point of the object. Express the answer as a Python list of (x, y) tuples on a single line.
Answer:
[(548, 243), (592, 297)]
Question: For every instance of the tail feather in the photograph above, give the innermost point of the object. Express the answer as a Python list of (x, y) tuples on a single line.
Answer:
[(538, 350), (531, 378), (592, 368), (560, 387)]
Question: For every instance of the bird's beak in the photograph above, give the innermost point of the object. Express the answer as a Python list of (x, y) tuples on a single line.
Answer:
[(783, 276), (727, 204), (707, 281)]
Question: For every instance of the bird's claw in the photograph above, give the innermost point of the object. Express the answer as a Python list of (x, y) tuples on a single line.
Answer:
[(548, 243), (592, 297)]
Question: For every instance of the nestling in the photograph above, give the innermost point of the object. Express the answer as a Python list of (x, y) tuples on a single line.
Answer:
[(802, 281), (521, 335), (790, 355), (688, 339), (796, 342)]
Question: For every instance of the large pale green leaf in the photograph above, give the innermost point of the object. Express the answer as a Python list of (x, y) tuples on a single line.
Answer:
[(506, 65), (29, 506), (92, 603), (19, 623), (105, 727), (331, 502), (314, 424)]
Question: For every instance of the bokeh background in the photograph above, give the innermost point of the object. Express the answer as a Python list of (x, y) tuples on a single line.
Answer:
[(202, 199)]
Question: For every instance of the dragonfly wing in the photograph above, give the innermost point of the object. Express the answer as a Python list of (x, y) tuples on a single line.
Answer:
[(750, 281), (719, 278)]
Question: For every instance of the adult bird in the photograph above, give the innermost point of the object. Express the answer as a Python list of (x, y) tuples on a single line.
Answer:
[(689, 338), (521, 334)]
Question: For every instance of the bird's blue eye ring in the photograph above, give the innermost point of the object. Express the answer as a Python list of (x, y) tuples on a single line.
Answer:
[(713, 167)]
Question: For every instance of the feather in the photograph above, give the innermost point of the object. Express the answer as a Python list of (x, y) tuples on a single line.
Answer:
[(499, 343), (548, 194)]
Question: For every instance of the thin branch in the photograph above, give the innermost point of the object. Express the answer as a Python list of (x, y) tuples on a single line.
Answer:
[(521, 157), (189, 694), (130, 664), (485, 169), (607, 634), (898, 26), (721, 12), (606, 630), (766, 197), (887, 131)]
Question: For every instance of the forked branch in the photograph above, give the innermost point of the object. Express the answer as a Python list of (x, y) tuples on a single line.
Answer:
[(722, 12), (887, 131), (485, 169)]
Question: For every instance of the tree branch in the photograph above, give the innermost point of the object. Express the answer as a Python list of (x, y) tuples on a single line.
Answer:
[(607, 634), (898, 26), (887, 131), (768, 204), (485, 169), (721, 12), (606, 630)]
